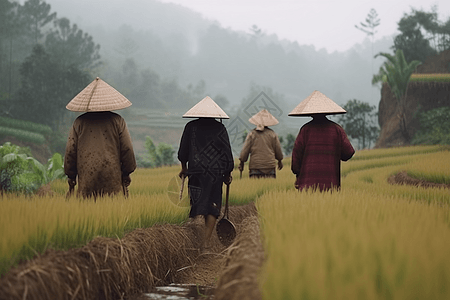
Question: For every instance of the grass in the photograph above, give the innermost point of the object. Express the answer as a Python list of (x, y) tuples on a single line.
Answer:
[(31, 225), (353, 245), (371, 240), (430, 77)]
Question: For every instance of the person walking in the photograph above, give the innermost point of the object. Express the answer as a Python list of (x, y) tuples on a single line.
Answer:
[(263, 146), (206, 159), (99, 152), (320, 145)]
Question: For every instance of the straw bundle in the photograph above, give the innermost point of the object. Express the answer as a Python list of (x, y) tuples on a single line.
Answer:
[(244, 259), (112, 268)]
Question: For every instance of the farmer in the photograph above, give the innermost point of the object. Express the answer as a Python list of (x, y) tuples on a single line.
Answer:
[(320, 145), (263, 145), (206, 158), (99, 150)]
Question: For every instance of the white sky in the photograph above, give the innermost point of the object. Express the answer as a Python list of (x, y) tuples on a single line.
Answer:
[(326, 24)]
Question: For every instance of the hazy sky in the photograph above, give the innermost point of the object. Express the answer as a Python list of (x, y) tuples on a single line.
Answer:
[(326, 24)]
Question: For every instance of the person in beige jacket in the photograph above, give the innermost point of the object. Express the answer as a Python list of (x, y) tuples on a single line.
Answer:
[(99, 152), (263, 146)]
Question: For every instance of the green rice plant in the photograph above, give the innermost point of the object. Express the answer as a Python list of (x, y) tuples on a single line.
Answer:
[(371, 240), (434, 168), (23, 135), (353, 244), (25, 125), (381, 187), (396, 151), (30, 226)]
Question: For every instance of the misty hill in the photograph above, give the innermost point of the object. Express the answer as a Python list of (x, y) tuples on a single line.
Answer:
[(147, 44), (180, 44)]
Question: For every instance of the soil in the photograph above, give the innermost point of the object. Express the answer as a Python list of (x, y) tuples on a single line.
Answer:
[(403, 178), (422, 96)]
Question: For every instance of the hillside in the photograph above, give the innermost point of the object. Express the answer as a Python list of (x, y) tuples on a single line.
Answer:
[(421, 96), (180, 44)]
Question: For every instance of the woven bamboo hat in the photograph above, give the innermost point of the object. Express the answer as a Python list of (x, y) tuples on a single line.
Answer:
[(206, 108), (98, 96), (263, 118), (317, 103)]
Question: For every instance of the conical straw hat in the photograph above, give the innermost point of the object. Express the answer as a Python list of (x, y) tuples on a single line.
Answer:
[(263, 118), (206, 108), (317, 103), (98, 96)]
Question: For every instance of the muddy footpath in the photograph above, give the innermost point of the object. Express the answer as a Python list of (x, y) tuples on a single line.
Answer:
[(160, 262)]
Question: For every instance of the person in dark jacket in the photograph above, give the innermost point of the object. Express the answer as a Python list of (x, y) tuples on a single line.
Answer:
[(99, 152), (206, 159), (320, 146)]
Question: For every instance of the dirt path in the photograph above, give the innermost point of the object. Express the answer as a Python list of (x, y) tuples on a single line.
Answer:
[(403, 178), (222, 273)]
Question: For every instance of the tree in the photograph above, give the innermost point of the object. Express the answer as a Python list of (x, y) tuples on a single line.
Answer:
[(161, 155), (422, 35), (46, 88), (434, 127), (368, 28), (36, 14), (256, 32), (69, 46), (360, 122), (397, 72), (288, 146)]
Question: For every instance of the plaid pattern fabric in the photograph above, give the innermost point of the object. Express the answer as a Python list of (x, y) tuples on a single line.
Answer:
[(318, 150)]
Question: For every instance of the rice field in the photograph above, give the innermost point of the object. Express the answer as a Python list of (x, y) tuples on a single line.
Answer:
[(371, 240)]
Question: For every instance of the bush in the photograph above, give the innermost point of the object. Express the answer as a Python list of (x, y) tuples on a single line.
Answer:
[(434, 127), (157, 156), (20, 172)]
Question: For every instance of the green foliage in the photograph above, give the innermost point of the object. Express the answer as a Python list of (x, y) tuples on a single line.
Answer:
[(422, 35), (69, 46), (244, 135), (20, 172), (35, 14), (23, 135), (434, 127), (25, 125), (288, 145), (397, 72), (157, 156), (372, 21), (46, 87), (165, 154), (55, 168), (444, 77), (360, 122)]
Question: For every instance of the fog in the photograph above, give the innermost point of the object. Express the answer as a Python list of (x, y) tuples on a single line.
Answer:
[(178, 43)]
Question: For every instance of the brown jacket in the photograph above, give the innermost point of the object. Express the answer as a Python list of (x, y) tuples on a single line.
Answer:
[(264, 147), (100, 152)]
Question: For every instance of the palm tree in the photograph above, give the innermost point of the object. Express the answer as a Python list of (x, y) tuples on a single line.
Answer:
[(396, 71)]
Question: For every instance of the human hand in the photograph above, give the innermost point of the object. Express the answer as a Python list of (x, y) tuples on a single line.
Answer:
[(280, 165), (72, 183), (241, 166), (126, 180), (227, 179), (182, 173)]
